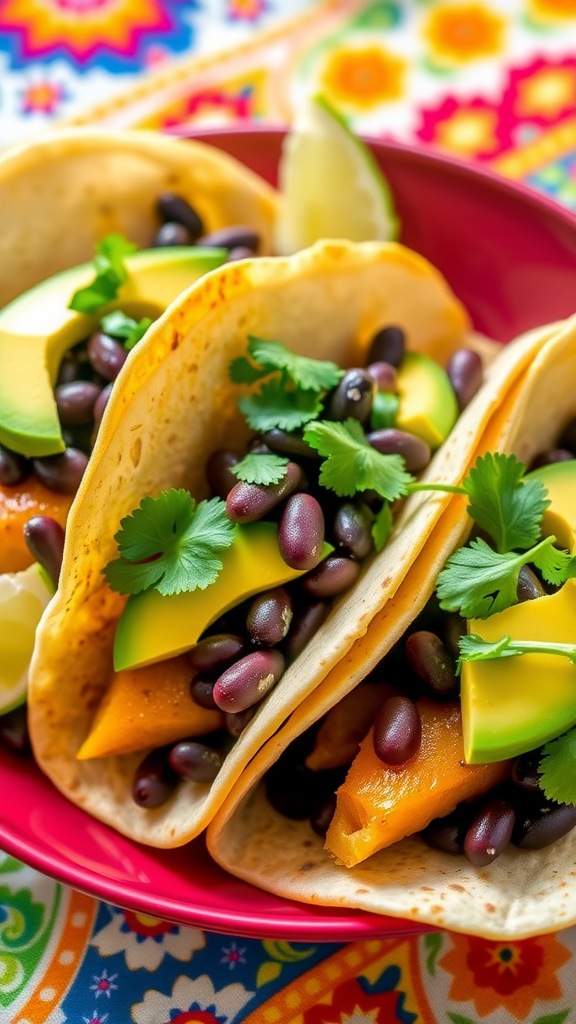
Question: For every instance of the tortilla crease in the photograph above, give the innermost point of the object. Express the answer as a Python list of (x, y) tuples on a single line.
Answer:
[(62, 192), (172, 406), (522, 893)]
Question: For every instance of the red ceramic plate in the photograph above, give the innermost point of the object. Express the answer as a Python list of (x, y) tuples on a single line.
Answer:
[(511, 257)]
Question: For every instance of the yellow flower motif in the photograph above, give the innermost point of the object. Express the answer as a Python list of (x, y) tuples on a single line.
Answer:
[(553, 10), (468, 132), (363, 77), (547, 93), (460, 33)]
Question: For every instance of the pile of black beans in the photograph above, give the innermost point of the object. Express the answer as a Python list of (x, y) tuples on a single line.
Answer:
[(244, 655), (88, 370), (424, 664)]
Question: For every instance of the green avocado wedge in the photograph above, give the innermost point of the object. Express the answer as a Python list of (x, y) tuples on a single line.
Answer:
[(427, 404), (37, 328), (513, 705), (153, 627)]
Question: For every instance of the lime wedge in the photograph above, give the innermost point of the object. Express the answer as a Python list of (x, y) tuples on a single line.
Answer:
[(330, 184), (23, 597)]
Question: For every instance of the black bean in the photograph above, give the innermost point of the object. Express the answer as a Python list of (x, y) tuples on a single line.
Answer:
[(388, 346), (195, 761), (397, 730), (236, 722), (14, 732), (389, 441), (543, 825), (385, 376), (75, 402), (214, 652), (525, 771), (464, 370), (289, 444), (353, 396), (448, 833), (171, 235), (154, 780), (529, 586), (305, 623), (232, 237), (218, 474), (352, 528), (62, 473), (175, 208), (291, 790), (269, 617), (99, 407), (333, 576), (551, 456), (14, 468), (69, 368), (202, 692), (106, 355), (249, 680), (79, 437), (429, 658), (246, 503), (301, 532), (490, 833), (45, 540), (322, 814), (240, 252)]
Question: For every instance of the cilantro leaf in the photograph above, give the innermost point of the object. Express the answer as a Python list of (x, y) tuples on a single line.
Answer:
[(352, 464), (478, 582), (475, 648), (261, 468), (274, 406), (307, 374), (558, 769), (110, 274), (118, 325), (556, 566), (382, 526), (169, 543), (508, 507)]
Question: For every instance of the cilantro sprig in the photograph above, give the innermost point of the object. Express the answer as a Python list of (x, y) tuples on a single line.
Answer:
[(504, 504), (110, 274), (475, 648), (123, 327), (557, 768), (170, 543), (292, 386), (351, 464), (261, 468)]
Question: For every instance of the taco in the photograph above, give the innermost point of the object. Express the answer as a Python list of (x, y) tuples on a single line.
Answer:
[(62, 196), (174, 410), (491, 779)]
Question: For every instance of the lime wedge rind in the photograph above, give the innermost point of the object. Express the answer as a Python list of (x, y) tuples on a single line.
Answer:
[(23, 598)]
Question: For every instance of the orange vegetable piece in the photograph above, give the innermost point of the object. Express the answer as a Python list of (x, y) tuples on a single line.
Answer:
[(380, 804), (148, 707), (17, 506), (339, 737)]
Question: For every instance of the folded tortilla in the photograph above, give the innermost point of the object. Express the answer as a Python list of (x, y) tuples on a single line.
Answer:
[(522, 893), (172, 406), (65, 190)]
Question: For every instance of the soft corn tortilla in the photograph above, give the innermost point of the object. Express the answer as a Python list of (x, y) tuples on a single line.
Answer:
[(522, 893), (172, 406), (62, 192)]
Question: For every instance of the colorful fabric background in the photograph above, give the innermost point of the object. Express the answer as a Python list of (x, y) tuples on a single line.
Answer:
[(492, 80)]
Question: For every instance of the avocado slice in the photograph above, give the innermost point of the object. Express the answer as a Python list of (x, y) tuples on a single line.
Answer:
[(153, 627), (428, 406), (512, 705), (37, 328)]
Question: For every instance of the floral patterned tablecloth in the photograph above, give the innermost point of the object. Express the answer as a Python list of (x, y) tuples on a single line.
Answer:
[(490, 80)]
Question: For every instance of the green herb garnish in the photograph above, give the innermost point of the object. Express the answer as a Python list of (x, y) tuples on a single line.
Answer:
[(382, 526), (352, 465), (557, 769), (260, 468), (130, 331), (110, 274), (292, 396), (169, 543), (503, 504), (475, 648), (478, 581)]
